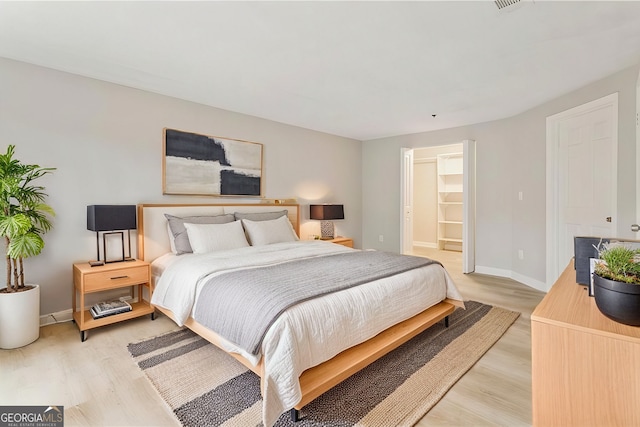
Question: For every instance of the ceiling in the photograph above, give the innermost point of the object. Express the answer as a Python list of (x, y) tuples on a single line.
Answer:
[(362, 70)]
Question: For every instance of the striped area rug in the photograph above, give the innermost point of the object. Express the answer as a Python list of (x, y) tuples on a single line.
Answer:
[(206, 387)]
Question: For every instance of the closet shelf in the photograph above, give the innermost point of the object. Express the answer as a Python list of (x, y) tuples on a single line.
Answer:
[(450, 189)]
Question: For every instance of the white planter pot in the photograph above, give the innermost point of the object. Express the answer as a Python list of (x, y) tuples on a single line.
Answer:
[(19, 318)]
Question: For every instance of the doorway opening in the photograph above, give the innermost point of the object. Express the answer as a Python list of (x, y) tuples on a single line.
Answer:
[(438, 201)]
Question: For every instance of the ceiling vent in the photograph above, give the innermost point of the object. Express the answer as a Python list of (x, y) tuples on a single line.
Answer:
[(501, 4), (509, 5)]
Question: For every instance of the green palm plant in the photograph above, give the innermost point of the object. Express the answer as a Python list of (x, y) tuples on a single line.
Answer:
[(24, 217)]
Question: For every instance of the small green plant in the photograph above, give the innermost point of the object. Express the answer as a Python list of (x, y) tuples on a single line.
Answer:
[(619, 262)]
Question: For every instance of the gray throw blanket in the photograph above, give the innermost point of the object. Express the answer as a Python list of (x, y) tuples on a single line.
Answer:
[(242, 305)]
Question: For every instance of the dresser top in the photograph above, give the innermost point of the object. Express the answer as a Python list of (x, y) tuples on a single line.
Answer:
[(568, 304)]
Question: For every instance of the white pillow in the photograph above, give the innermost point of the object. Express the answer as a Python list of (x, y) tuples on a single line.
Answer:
[(180, 239), (268, 232), (215, 237)]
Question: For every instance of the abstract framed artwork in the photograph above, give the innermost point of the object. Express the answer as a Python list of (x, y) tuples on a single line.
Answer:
[(203, 165)]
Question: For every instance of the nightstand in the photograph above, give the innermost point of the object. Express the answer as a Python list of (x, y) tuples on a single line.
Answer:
[(87, 279), (344, 241)]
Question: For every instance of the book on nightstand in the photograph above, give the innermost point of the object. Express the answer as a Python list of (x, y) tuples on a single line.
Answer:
[(109, 308)]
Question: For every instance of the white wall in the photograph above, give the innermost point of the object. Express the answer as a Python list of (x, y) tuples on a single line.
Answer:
[(425, 203), (105, 141), (510, 158)]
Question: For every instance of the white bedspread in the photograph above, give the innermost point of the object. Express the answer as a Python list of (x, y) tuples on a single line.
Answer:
[(314, 331)]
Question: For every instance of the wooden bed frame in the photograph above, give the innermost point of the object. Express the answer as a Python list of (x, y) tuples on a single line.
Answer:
[(314, 381)]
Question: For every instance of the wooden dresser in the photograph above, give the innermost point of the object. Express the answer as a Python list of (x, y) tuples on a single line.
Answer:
[(585, 367)]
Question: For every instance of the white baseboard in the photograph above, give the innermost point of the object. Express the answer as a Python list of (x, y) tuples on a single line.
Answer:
[(533, 283), (425, 245), (58, 317)]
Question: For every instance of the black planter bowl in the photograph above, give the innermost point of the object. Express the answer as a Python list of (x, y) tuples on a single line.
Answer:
[(618, 301)]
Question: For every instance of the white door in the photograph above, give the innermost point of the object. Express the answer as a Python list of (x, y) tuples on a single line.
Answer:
[(584, 140), (407, 201)]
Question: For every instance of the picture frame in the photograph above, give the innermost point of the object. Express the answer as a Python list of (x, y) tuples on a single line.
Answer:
[(204, 165)]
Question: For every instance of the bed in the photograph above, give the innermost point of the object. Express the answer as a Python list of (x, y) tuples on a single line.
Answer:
[(311, 345)]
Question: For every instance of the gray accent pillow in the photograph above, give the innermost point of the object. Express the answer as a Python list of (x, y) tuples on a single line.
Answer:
[(179, 231), (260, 216)]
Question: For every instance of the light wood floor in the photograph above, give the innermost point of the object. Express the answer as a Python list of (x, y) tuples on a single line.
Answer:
[(497, 390), (98, 383)]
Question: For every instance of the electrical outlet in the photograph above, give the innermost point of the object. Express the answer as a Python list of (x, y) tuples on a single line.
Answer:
[(381, 238), (520, 254)]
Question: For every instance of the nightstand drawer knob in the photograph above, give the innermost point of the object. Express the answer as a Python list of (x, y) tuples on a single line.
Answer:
[(119, 277)]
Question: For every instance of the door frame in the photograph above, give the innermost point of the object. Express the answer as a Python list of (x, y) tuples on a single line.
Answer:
[(637, 151), (553, 172), (469, 206), (406, 199), (469, 200)]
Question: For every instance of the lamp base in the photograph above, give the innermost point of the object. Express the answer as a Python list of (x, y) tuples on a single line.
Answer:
[(107, 260), (326, 230)]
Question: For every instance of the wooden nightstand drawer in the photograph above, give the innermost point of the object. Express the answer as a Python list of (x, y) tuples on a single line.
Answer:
[(344, 241), (102, 280)]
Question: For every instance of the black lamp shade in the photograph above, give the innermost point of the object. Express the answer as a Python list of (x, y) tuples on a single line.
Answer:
[(111, 217), (326, 212)]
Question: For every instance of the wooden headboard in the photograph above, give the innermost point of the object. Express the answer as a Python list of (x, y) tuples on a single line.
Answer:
[(153, 236)]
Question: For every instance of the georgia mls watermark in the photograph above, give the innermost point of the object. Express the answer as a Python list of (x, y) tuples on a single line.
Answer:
[(31, 416)]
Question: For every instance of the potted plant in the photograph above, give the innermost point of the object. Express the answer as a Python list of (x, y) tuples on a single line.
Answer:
[(24, 218), (616, 281)]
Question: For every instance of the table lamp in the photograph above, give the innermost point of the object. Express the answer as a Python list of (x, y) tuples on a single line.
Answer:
[(326, 213), (110, 220)]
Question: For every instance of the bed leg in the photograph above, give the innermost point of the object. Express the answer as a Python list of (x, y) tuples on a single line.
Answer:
[(446, 322), (295, 415)]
